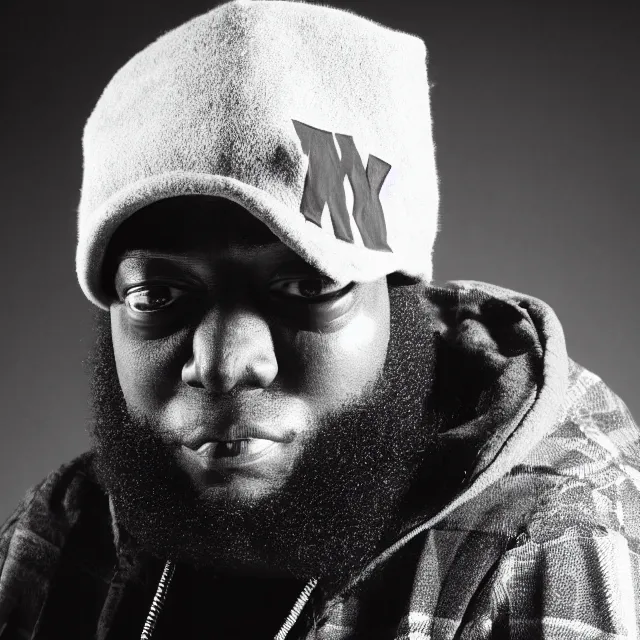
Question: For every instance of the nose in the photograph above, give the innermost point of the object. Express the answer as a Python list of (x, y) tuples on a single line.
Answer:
[(232, 349)]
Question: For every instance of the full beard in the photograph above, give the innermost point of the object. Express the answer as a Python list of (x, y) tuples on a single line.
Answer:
[(343, 500)]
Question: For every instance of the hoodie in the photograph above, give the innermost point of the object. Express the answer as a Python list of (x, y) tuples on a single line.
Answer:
[(538, 535)]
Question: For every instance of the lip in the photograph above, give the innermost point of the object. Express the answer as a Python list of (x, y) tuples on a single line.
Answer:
[(203, 452), (207, 459), (247, 431)]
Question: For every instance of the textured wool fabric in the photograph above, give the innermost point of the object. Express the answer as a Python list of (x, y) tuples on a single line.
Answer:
[(314, 119)]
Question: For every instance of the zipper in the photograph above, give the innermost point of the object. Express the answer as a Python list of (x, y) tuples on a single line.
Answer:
[(158, 600)]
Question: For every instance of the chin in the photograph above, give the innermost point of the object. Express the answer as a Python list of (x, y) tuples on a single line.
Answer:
[(238, 490)]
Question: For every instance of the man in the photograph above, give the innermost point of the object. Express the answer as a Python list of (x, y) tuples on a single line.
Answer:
[(296, 434)]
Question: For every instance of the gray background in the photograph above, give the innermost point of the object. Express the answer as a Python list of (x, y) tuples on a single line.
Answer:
[(536, 120)]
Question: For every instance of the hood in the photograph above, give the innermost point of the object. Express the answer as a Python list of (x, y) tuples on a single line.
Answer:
[(501, 383)]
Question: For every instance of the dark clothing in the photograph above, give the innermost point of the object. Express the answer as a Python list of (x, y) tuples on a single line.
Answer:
[(539, 536)]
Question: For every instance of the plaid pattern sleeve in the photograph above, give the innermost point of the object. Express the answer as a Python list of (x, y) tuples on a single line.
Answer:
[(574, 572)]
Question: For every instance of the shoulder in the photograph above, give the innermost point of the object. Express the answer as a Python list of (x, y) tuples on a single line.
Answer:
[(569, 513), (51, 522), (572, 569), (50, 504), (582, 478), (593, 452)]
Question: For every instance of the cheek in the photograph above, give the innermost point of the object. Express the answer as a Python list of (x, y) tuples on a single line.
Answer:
[(147, 369), (324, 370), (343, 364)]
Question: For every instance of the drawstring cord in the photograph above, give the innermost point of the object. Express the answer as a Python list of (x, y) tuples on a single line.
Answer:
[(163, 587)]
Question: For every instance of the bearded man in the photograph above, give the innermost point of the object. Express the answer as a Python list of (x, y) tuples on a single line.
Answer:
[(297, 434)]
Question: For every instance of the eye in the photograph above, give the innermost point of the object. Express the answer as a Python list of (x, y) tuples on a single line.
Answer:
[(310, 288), (149, 299)]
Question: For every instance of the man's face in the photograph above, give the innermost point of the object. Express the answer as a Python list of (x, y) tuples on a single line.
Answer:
[(233, 346), (248, 412)]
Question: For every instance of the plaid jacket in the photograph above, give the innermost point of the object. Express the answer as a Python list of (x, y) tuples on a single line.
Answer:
[(538, 537)]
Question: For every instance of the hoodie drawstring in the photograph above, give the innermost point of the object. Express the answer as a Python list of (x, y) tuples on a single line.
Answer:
[(163, 587)]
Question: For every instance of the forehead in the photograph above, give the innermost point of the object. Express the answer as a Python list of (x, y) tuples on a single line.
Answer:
[(190, 223)]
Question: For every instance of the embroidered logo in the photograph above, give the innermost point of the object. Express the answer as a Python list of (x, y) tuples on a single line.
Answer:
[(324, 185)]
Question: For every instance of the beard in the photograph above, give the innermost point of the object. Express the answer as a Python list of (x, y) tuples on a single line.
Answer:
[(342, 501)]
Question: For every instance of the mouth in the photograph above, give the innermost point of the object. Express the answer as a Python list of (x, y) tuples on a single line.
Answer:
[(235, 440), (233, 448), (243, 445), (226, 456)]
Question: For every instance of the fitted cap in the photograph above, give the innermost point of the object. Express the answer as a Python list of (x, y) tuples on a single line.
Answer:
[(314, 119)]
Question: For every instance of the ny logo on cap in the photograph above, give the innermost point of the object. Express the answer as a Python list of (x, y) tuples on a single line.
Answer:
[(324, 185)]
